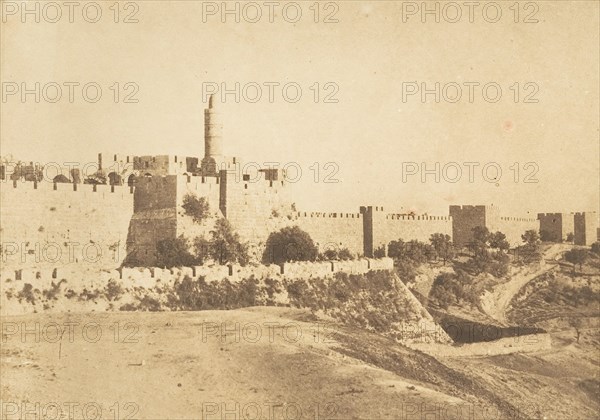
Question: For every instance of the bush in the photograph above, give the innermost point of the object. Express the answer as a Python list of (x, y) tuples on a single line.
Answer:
[(196, 295), (379, 252), (52, 293), (342, 254), (197, 208), (289, 244), (453, 288), (27, 293), (113, 290), (174, 253), (596, 248), (148, 303), (577, 256), (547, 236)]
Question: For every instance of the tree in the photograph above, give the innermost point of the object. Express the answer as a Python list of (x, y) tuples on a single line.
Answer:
[(202, 249), (289, 244), (531, 237), (444, 248), (484, 260), (596, 248), (397, 249), (498, 241), (577, 256), (414, 251), (453, 288), (531, 250), (226, 246), (419, 252), (570, 237), (174, 253), (196, 208), (481, 236)]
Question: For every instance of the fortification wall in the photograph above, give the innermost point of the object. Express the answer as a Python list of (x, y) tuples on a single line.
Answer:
[(380, 228), (151, 277), (333, 230), (514, 227), (464, 219), (393, 227), (46, 224), (155, 193), (255, 207), (146, 229), (586, 228), (557, 225)]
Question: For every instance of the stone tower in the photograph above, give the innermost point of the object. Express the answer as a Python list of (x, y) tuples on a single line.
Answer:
[(213, 131)]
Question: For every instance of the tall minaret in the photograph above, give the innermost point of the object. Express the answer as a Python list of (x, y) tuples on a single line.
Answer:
[(213, 130)]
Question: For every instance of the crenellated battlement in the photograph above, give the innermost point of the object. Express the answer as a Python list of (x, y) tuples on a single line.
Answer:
[(518, 219), (324, 215), (415, 217), (150, 277), (467, 207), (44, 186)]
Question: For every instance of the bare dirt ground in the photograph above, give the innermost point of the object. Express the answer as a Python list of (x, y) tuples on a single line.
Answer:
[(496, 302), (274, 362), (270, 363)]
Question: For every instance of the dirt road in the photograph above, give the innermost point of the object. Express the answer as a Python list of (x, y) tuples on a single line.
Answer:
[(496, 302)]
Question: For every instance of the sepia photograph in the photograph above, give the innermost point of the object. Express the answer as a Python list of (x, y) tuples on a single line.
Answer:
[(299, 210)]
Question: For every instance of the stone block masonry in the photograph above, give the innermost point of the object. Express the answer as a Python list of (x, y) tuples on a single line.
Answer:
[(45, 224), (149, 278), (49, 224), (556, 226), (586, 228)]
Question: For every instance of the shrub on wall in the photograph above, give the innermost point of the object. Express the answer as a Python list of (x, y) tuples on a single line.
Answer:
[(196, 207), (289, 244), (342, 254)]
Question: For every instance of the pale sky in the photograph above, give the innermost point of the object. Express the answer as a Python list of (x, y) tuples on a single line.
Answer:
[(369, 133)]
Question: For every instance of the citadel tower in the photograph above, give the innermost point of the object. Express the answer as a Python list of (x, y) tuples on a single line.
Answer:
[(213, 131)]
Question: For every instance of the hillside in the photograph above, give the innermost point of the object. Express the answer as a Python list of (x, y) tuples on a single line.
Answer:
[(189, 364)]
